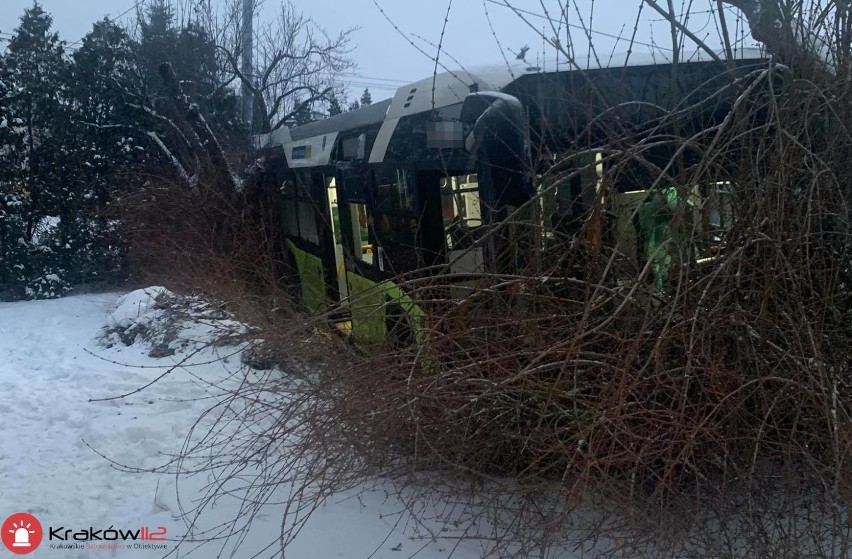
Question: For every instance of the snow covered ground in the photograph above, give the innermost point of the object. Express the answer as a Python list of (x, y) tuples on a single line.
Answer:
[(58, 386), (71, 408)]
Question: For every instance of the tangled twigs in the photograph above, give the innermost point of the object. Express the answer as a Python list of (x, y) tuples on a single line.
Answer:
[(684, 386), (687, 379)]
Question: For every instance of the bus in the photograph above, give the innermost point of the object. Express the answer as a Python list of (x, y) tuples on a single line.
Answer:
[(410, 184)]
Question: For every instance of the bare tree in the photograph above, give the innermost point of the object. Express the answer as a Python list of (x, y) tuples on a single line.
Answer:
[(297, 62)]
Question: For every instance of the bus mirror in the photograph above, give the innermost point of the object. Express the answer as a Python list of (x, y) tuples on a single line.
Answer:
[(499, 143), (477, 103)]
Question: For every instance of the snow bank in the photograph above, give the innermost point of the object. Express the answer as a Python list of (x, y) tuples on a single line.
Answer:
[(169, 323), (137, 307), (94, 427)]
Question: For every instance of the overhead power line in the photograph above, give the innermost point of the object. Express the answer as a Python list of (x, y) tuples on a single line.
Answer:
[(374, 86), (6, 36), (574, 25), (368, 78), (114, 19)]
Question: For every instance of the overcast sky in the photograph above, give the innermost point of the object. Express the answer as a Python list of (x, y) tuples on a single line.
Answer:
[(386, 58)]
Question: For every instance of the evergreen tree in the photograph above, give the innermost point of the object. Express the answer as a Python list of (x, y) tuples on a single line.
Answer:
[(334, 107), (158, 42), (354, 105), (106, 141), (13, 195), (37, 181), (303, 113), (192, 54), (104, 76), (366, 98), (35, 69), (59, 148)]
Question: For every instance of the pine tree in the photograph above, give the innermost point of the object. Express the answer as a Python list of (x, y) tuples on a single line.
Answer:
[(334, 107), (12, 194), (104, 75), (158, 42), (192, 54), (35, 69), (67, 134), (303, 113), (106, 141), (366, 98)]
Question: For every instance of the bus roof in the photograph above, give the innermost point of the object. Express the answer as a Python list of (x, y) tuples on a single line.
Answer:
[(452, 86)]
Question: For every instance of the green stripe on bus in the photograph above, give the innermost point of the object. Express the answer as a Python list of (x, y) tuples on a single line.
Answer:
[(311, 278), (367, 302)]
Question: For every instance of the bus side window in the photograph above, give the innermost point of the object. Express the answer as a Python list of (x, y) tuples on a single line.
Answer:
[(396, 233), (304, 208), (461, 209), (308, 223), (719, 211), (291, 208), (395, 190), (395, 220), (360, 220), (572, 195)]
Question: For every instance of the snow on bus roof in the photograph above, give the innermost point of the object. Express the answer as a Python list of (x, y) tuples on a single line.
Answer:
[(452, 86)]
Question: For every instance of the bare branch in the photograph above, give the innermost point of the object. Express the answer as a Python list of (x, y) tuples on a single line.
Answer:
[(190, 180), (673, 20), (208, 139), (293, 55)]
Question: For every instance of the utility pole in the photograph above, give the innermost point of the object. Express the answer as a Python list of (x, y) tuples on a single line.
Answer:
[(247, 67)]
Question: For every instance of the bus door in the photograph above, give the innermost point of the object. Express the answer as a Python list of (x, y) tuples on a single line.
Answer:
[(363, 279), (430, 232), (337, 236), (395, 221), (354, 209), (461, 211)]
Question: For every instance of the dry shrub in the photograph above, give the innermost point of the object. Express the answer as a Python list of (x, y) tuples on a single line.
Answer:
[(585, 398), (225, 245), (717, 394)]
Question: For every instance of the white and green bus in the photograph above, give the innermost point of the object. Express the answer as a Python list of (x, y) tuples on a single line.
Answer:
[(409, 184)]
